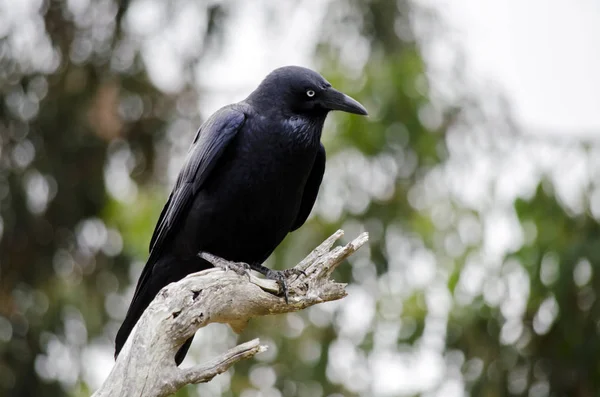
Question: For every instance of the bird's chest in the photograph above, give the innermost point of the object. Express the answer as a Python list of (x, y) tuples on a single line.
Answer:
[(273, 160), (263, 174), (274, 168)]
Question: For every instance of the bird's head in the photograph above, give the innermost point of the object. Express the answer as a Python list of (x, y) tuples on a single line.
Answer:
[(301, 91)]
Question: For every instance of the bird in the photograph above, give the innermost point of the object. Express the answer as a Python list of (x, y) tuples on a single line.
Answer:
[(250, 177)]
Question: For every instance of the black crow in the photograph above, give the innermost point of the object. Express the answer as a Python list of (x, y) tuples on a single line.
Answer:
[(250, 177)]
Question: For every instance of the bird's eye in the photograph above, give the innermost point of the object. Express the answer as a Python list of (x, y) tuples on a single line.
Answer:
[(310, 93)]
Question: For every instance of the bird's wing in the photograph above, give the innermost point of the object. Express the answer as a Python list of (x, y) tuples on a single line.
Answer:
[(311, 189), (209, 144)]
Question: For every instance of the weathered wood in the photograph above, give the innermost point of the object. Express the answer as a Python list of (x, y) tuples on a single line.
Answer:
[(146, 366)]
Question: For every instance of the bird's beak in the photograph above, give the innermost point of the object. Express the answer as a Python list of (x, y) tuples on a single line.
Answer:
[(335, 100)]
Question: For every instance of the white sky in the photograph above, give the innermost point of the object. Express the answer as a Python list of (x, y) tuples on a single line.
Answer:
[(545, 54)]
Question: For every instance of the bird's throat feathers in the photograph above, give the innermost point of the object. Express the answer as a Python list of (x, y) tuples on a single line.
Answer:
[(307, 130)]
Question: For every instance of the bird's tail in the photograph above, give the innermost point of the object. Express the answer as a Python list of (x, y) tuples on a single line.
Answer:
[(156, 274)]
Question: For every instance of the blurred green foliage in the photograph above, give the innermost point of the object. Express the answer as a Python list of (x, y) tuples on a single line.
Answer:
[(85, 139)]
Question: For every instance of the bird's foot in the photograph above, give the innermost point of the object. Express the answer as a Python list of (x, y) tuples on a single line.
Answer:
[(278, 275), (240, 268)]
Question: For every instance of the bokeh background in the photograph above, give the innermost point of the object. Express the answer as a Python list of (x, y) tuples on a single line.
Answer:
[(477, 176)]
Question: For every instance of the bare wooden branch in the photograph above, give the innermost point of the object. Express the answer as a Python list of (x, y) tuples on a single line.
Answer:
[(146, 366)]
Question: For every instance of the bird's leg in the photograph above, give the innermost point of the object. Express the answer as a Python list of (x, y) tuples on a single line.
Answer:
[(277, 275), (240, 268)]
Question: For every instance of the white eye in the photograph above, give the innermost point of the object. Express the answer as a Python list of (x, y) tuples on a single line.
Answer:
[(310, 93)]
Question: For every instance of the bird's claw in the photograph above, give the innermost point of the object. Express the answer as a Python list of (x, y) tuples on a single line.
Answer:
[(280, 276), (294, 272)]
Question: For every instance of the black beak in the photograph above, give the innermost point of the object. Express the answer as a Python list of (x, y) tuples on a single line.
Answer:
[(335, 100)]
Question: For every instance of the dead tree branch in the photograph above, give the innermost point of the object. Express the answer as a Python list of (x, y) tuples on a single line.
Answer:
[(146, 366)]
